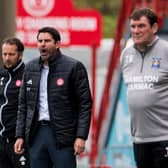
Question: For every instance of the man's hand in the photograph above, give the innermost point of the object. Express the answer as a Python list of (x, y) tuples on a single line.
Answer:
[(79, 146), (18, 146)]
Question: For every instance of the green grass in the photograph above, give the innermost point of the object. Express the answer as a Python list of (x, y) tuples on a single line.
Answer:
[(109, 23)]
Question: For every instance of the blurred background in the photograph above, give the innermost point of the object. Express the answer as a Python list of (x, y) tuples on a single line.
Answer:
[(93, 32)]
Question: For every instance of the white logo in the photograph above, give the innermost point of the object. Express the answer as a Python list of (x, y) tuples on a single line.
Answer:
[(38, 7), (129, 59), (29, 82), (1, 80), (22, 160), (28, 89), (166, 155)]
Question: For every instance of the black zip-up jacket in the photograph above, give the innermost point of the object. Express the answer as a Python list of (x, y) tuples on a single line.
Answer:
[(69, 99), (10, 82)]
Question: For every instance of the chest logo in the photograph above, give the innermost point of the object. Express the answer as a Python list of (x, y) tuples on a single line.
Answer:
[(156, 62), (18, 83), (60, 82), (1, 80), (29, 82), (22, 161), (129, 59)]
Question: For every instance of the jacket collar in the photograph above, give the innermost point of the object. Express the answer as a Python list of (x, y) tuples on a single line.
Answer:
[(16, 67), (148, 46), (52, 59)]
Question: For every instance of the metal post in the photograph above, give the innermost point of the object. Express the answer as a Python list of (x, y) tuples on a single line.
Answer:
[(93, 151), (7, 19)]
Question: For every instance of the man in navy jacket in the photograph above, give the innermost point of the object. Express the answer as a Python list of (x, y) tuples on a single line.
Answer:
[(54, 106)]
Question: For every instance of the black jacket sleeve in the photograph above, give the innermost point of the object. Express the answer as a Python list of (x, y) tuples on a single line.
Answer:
[(21, 116), (83, 95)]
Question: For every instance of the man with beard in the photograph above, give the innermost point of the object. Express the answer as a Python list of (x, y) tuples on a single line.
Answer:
[(10, 82), (54, 106)]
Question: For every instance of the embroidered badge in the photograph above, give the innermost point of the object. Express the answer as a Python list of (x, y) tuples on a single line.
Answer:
[(156, 62), (60, 81), (18, 83)]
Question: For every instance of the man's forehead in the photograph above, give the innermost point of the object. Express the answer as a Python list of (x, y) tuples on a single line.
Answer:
[(45, 35), (142, 19)]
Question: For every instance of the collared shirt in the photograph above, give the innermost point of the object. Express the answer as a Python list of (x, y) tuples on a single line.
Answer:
[(43, 97)]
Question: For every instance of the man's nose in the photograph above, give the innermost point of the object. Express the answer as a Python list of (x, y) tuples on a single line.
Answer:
[(7, 57), (136, 29), (43, 43)]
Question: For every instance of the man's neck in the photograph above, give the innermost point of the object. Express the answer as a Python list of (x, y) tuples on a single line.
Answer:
[(45, 63), (143, 47)]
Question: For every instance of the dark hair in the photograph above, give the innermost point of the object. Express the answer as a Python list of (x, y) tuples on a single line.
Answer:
[(14, 41), (55, 34), (147, 12)]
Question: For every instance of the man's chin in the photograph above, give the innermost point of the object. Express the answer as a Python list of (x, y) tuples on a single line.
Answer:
[(8, 66), (137, 41), (44, 57)]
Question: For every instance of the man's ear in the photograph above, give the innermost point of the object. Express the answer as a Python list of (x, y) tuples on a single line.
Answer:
[(20, 55), (58, 44), (155, 28)]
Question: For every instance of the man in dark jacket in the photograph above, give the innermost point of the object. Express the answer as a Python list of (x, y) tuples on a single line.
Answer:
[(10, 82), (54, 106)]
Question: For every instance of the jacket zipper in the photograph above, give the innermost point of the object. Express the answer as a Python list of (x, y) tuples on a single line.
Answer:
[(3, 105), (142, 63)]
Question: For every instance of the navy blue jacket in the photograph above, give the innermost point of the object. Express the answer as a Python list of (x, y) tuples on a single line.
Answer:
[(69, 99)]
